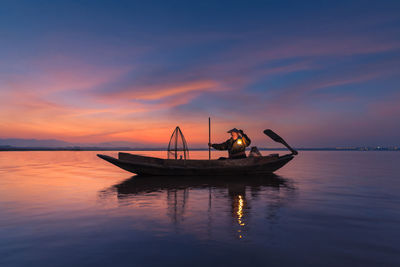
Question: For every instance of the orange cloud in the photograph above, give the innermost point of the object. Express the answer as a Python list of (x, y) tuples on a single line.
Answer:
[(162, 91)]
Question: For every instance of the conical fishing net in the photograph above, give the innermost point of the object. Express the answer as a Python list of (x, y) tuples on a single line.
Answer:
[(177, 147)]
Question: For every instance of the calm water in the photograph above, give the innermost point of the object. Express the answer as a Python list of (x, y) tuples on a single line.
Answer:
[(322, 209)]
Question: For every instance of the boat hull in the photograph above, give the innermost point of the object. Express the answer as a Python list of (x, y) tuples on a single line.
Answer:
[(143, 165)]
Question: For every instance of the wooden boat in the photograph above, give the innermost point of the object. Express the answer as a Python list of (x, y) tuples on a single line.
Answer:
[(143, 165)]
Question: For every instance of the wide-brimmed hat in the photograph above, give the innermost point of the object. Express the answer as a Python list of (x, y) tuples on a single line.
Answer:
[(233, 130)]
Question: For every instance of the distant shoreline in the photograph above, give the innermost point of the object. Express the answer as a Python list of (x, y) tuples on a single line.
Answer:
[(9, 148)]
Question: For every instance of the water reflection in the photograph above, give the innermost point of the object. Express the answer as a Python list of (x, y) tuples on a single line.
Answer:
[(222, 196)]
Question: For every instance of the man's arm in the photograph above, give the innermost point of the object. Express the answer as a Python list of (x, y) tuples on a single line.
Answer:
[(222, 146), (246, 139)]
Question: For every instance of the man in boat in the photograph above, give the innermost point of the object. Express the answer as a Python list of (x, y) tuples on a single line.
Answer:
[(236, 145)]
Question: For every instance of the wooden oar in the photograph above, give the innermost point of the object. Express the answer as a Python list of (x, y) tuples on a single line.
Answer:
[(279, 139)]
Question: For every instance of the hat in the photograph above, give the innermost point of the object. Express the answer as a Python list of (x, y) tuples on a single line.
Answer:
[(233, 130)]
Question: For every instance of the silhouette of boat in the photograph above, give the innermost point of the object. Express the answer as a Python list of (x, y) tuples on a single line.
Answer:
[(144, 165)]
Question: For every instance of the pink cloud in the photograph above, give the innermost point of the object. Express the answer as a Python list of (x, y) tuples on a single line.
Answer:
[(162, 91), (50, 81), (324, 46)]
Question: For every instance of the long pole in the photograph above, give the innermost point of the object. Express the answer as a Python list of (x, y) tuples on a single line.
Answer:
[(209, 138)]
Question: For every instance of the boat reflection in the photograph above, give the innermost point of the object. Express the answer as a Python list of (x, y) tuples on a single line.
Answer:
[(267, 192)]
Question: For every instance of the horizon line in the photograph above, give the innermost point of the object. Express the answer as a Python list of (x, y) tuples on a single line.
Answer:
[(94, 148)]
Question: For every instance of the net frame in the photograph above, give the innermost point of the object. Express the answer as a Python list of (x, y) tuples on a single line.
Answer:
[(173, 147)]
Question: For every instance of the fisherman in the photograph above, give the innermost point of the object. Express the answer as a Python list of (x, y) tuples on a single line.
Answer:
[(236, 145)]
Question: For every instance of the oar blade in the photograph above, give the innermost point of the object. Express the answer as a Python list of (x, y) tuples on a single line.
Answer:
[(279, 139), (273, 136)]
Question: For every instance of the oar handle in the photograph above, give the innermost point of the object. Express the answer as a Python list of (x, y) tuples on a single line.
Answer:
[(294, 152)]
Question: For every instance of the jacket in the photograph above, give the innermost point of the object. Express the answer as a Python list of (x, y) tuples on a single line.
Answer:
[(236, 148)]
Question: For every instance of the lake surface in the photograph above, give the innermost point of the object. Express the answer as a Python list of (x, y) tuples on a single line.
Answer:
[(322, 209)]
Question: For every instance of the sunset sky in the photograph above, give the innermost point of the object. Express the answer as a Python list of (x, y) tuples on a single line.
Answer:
[(320, 73)]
